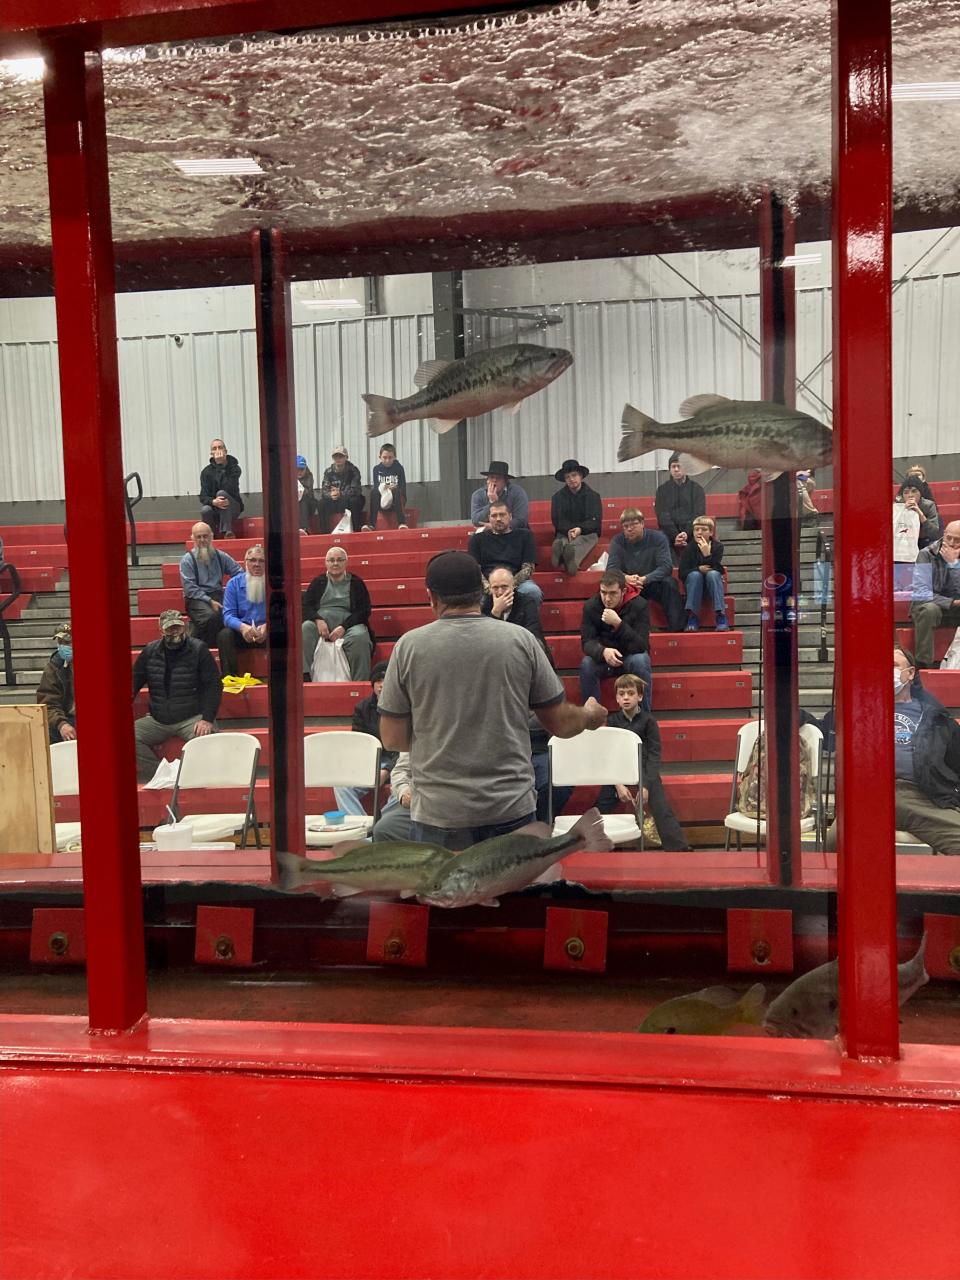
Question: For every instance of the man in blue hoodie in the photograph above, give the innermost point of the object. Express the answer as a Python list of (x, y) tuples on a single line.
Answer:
[(244, 612)]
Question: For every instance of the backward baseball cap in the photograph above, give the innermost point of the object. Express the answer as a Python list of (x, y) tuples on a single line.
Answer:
[(171, 618)]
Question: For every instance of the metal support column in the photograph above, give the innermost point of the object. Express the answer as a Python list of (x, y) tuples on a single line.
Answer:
[(862, 482), (455, 486), (278, 452), (83, 272), (779, 653)]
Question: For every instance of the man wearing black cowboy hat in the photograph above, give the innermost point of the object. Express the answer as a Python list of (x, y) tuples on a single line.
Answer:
[(499, 485), (577, 517)]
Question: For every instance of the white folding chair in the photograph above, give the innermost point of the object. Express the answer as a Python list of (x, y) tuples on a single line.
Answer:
[(907, 842), (604, 757), (739, 823), (66, 782), (341, 758), (219, 760)]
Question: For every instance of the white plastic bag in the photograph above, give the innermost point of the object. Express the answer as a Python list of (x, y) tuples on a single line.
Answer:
[(906, 534), (330, 662), (386, 495), (166, 776), (600, 565), (951, 659), (345, 523)]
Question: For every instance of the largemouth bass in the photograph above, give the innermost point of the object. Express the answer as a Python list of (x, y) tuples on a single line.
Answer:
[(811, 1005), (508, 863), (710, 1012), (718, 432), (451, 390), (387, 867)]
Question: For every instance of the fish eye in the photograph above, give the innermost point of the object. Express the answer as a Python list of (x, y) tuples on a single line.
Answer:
[(670, 1031)]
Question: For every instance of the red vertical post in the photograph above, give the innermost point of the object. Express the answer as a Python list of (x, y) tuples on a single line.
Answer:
[(278, 453), (90, 403), (862, 479), (780, 586)]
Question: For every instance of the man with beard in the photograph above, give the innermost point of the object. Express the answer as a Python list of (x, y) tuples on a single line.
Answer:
[(202, 571), (244, 612), (220, 501), (184, 686)]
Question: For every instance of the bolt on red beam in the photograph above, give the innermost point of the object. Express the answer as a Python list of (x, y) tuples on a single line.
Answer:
[(862, 479), (83, 271)]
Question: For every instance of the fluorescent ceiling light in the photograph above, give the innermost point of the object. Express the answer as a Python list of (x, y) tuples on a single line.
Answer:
[(220, 168), (935, 91), (319, 303), (22, 68), (799, 259)]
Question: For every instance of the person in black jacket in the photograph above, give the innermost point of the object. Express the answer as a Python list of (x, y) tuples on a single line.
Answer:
[(615, 635), (340, 490), (577, 517), (509, 605), (701, 568), (220, 501), (336, 605), (630, 715), (678, 502), (55, 690), (184, 686)]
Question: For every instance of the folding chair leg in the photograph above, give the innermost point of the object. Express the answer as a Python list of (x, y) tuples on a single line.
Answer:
[(726, 842)]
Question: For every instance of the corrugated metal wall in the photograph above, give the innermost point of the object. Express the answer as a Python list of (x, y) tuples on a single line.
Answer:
[(653, 353)]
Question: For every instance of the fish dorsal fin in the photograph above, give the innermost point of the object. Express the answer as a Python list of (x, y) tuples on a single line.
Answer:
[(770, 475), (719, 995), (440, 425), (693, 466), (512, 408), (693, 404), (429, 370)]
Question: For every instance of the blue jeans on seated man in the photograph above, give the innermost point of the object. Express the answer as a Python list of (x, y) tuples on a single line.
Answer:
[(694, 583), (350, 800), (530, 588), (457, 838), (634, 664)]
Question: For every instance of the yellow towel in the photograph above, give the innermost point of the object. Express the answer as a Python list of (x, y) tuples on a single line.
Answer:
[(237, 684)]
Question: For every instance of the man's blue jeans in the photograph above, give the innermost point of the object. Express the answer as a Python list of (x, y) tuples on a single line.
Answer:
[(635, 664), (457, 838)]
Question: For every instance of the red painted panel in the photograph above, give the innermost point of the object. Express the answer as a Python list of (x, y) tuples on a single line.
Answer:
[(759, 941), (942, 957), (397, 934), (58, 936), (224, 936), (575, 940)]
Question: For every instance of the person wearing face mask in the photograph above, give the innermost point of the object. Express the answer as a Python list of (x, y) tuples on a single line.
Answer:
[(926, 762), (55, 690), (184, 687)]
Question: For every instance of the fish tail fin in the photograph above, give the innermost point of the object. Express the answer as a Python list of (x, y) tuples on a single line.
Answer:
[(381, 412), (751, 1004), (636, 428), (291, 871), (588, 831)]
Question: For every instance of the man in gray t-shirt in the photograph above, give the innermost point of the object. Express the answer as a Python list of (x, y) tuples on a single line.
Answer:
[(457, 695)]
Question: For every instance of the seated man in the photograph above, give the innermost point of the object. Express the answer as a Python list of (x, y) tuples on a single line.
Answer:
[(515, 549), (184, 686), (388, 492), (630, 715), (615, 635), (202, 572), (336, 605), (366, 719), (500, 484), (936, 591), (643, 557), (506, 604), (926, 762), (244, 612), (577, 517), (395, 822), (55, 690), (306, 497), (220, 501), (678, 500), (341, 490)]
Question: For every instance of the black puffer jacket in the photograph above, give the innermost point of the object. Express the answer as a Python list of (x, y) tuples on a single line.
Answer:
[(936, 752), (632, 636), (181, 682), (220, 475)]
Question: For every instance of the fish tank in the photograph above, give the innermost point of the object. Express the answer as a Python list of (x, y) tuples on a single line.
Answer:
[(434, 334)]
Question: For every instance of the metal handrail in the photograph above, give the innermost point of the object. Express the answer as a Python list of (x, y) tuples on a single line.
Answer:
[(130, 503), (9, 674)]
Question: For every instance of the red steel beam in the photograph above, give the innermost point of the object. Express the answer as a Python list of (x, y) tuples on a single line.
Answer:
[(862, 479), (778, 619), (278, 452), (90, 406)]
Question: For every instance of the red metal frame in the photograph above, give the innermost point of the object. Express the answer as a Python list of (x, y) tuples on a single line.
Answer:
[(90, 405), (862, 477)]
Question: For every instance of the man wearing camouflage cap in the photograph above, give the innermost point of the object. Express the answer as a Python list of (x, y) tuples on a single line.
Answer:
[(184, 687), (55, 690)]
